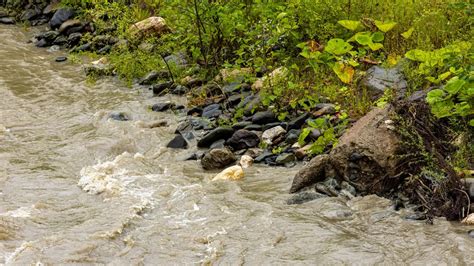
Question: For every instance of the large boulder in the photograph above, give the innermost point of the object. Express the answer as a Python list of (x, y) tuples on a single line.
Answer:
[(365, 157), (60, 16), (150, 27), (378, 79), (217, 159)]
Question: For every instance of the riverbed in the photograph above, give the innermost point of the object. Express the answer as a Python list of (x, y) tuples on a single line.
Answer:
[(77, 187)]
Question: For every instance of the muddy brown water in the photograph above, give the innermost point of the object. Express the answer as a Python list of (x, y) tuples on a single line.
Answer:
[(78, 188)]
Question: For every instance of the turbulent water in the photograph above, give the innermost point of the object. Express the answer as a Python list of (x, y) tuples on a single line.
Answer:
[(79, 188)]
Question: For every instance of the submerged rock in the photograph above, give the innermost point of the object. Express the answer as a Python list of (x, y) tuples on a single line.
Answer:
[(217, 159), (119, 116), (232, 173), (304, 196)]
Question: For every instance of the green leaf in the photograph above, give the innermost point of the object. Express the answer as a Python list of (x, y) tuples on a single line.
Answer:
[(344, 72), (385, 26), (407, 34), (337, 47), (282, 15), (375, 46), (434, 96), (352, 25), (454, 85), (377, 36), (363, 38), (471, 122), (417, 55)]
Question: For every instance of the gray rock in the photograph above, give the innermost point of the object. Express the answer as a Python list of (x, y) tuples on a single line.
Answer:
[(74, 39), (292, 136), (217, 159), (178, 142), (42, 43), (243, 139), (69, 24), (60, 16), (469, 186), (324, 109), (470, 233), (253, 127), (157, 88), (178, 59), (298, 122), (272, 134), (285, 158), (7, 20), (214, 135), (149, 78), (30, 14), (61, 59), (241, 125), (219, 144), (311, 173), (231, 88), (161, 107), (262, 157), (264, 117), (304, 196), (119, 116), (60, 40), (378, 79), (212, 111), (179, 90)]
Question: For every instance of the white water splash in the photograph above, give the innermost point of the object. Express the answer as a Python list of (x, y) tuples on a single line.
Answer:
[(22, 212)]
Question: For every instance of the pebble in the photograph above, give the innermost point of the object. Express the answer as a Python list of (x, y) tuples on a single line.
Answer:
[(61, 59)]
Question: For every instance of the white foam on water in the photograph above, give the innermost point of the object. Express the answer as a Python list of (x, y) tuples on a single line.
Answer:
[(22, 212)]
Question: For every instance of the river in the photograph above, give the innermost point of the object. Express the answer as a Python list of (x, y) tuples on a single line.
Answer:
[(79, 188)]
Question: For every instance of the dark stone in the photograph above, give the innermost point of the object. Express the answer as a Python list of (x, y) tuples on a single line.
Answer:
[(61, 59), (60, 40), (42, 43), (119, 116), (195, 111), (298, 122), (74, 39), (49, 36), (214, 135), (416, 216), (179, 90), (271, 160), (217, 159), (243, 139), (314, 134), (231, 88), (285, 158), (470, 233), (7, 20), (271, 125), (212, 111), (324, 109), (76, 29), (161, 107), (218, 144), (159, 88), (60, 16), (104, 50), (292, 136), (349, 188), (303, 197), (84, 47), (312, 173), (30, 14), (69, 24), (263, 156), (253, 127), (264, 117), (250, 104), (50, 9), (417, 96), (235, 99), (40, 21), (149, 78), (241, 125), (178, 142)]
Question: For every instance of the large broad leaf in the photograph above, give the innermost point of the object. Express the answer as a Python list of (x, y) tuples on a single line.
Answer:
[(352, 25), (338, 47), (377, 36), (385, 26), (435, 96), (375, 46), (454, 85), (344, 72), (407, 34), (417, 55), (363, 38)]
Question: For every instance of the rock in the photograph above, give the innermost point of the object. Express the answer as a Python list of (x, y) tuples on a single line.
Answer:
[(83, 48), (161, 87), (470, 233), (50, 8), (60, 16), (191, 82), (232, 173), (314, 134), (378, 79), (150, 27), (97, 68), (42, 43), (178, 59), (104, 50), (329, 187), (246, 161), (301, 153), (324, 109), (231, 88), (270, 135), (61, 59), (285, 158), (195, 111), (298, 122), (7, 20), (254, 152), (292, 136), (243, 139), (179, 90), (53, 48), (235, 99), (250, 104), (270, 79), (241, 125), (161, 107), (154, 124), (69, 24), (74, 39), (149, 78), (60, 40), (311, 173), (178, 142), (119, 116), (469, 186), (253, 127), (229, 75), (219, 144), (217, 159), (214, 135), (212, 111), (30, 14), (48, 36), (303, 197), (469, 220), (262, 157), (271, 125), (264, 117)]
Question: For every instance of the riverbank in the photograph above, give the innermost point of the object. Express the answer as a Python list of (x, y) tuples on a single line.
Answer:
[(263, 113)]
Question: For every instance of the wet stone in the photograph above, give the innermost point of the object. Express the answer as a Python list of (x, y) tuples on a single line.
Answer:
[(298, 122), (243, 139), (161, 107), (119, 116), (214, 135), (61, 59), (178, 142), (212, 111), (217, 159), (7, 20), (285, 158), (303, 197), (265, 117), (218, 144)]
